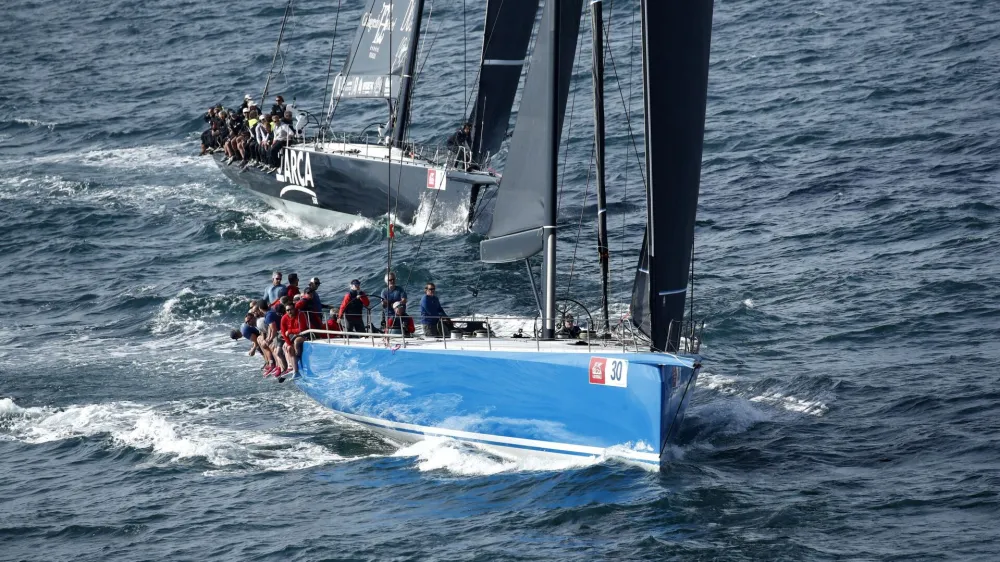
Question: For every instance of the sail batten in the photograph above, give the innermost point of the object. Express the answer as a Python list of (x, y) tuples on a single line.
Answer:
[(505, 46)]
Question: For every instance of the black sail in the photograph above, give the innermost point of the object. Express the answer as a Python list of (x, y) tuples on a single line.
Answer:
[(640, 293), (381, 50), (676, 36), (525, 196), (505, 45)]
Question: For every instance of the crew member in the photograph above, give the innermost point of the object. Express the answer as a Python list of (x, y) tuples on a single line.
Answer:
[(400, 322), (276, 290), (434, 319), (249, 331), (352, 308), (462, 137), (392, 295), (569, 329), (293, 285)]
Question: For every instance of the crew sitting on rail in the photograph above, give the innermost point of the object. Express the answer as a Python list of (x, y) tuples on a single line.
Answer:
[(249, 331), (258, 310), (400, 322), (284, 136), (351, 313), (292, 324), (272, 335), (434, 319), (248, 135)]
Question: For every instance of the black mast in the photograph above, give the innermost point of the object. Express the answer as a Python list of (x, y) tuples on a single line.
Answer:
[(597, 33), (549, 227), (676, 37), (406, 84)]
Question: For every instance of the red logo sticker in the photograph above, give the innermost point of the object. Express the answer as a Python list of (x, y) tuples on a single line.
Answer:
[(597, 366), (431, 178)]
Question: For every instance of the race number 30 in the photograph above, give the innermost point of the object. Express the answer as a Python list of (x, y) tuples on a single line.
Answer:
[(609, 372)]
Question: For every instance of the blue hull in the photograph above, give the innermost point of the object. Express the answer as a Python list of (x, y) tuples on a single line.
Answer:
[(520, 403)]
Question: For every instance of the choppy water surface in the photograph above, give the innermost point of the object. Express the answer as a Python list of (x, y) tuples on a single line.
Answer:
[(846, 268)]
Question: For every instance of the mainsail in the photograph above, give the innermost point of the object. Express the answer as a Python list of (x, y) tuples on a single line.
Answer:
[(381, 51), (525, 197), (505, 45), (676, 36)]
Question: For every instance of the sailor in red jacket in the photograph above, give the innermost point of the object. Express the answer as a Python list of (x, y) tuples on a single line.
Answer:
[(352, 308), (401, 322), (292, 323)]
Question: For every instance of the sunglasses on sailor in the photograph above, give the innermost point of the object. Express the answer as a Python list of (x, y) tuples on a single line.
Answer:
[(428, 288)]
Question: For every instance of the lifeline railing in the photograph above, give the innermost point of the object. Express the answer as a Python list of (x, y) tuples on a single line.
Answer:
[(440, 155)]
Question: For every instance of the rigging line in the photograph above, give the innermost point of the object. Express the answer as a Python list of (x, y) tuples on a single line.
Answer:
[(389, 218), (420, 71), (475, 290), (430, 47), (291, 30), (691, 313), (352, 56), (483, 205), (487, 38), (628, 109), (277, 48), (427, 224), (579, 228), (569, 133), (329, 67), (465, 51)]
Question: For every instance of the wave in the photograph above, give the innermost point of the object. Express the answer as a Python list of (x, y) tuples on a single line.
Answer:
[(774, 397), (156, 157), (170, 433), (34, 123)]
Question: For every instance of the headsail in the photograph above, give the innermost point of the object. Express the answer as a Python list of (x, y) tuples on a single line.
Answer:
[(526, 197), (505, 45), (381, 50), (676, 36), (640, 293)]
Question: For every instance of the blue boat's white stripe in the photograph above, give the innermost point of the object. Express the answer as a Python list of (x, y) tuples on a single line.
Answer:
[(515, 442)]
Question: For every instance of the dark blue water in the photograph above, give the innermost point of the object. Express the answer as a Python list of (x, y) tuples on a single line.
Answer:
[(847, 271)]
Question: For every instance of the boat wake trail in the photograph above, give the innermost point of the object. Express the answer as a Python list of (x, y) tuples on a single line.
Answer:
[(171, 433)]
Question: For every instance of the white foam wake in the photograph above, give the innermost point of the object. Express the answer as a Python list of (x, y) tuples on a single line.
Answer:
[(438, 453), (150, 157), (731, 387), (171, 434), (437, 218)]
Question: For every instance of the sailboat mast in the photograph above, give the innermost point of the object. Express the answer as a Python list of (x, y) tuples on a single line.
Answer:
[(406, 84), (597, 33), (549, 228)]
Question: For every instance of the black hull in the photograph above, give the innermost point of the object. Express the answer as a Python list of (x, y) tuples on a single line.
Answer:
[(335, 189)]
